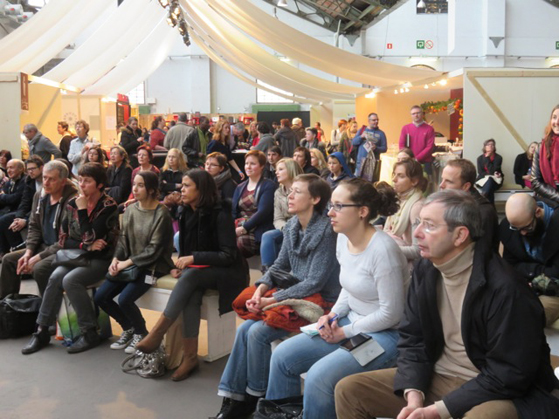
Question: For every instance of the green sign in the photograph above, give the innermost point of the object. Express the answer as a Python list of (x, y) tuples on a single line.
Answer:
[(556, 44), (420, 44)]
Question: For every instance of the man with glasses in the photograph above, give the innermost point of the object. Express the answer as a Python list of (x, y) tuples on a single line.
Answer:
[(10, 197), (471, 341), (530, 237)]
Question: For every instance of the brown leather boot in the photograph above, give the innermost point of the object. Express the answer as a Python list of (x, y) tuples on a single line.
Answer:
[(189, 359), (154, 338)]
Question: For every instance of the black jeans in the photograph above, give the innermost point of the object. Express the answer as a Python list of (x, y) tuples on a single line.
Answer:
[(8, 238), (187, 297), (126, 312)]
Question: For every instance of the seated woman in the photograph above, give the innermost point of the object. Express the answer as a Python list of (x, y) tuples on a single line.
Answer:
[(302, 156), (216, 165), (373, 276), (207, 238), (319, 162), (119, 175), (545, 169), (90, 224), (145, 157), (286, 170), (523, 166), (95, 154), (409, 184), (220, 144), (489, 174), (253, 205), (308, 252), (338, 169), (144, 243), (170, 178), (157, 134)]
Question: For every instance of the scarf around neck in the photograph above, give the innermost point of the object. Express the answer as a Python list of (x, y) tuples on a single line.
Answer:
[(550, 167), (398, 223)]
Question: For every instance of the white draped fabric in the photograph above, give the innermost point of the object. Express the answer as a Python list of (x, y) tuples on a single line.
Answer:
[(50, 15), (120, 24), (312, 52), (139, 64), (50, 43), (252, 59)]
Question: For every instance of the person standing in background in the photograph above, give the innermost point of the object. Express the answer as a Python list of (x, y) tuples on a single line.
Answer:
[(67, 137)]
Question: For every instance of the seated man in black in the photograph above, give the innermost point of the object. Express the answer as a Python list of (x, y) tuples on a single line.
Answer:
[(471, 342), (10, 197), (530, 237), (42, 236)]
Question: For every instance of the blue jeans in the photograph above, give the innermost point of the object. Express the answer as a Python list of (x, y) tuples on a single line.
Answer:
[(176, 240), (126, 312), (248, 366), (325, 364), (270, 247)]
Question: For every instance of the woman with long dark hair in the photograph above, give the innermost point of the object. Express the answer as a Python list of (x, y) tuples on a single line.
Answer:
[(208, 259), (157, 134)]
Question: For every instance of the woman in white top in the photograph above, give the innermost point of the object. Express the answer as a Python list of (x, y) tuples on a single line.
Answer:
[(373, 276)]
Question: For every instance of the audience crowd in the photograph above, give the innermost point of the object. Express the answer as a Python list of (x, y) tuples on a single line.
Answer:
[(406, 308)]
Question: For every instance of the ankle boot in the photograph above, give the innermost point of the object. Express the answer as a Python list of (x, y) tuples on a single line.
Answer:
[(154, 338), (189, 359)]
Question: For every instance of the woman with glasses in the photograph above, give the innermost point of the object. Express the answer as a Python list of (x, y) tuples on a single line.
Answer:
[(308, 253), (216, 165), (409, 184), (373, 277)]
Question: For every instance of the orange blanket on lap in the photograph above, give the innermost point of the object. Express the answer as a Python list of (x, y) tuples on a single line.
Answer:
[(282, 317)]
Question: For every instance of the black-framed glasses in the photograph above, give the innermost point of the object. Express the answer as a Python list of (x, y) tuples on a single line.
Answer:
[(527, 229), (339, 207)]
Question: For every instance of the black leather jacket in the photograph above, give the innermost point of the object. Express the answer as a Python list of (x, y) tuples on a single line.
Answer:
[(538, 184)]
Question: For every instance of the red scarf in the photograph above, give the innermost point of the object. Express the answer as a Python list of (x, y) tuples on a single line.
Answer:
[(549, 168)]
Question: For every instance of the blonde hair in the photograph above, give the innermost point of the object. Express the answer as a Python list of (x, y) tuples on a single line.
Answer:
[(320, 157), (182, 163), (293, 168), (218, 131)]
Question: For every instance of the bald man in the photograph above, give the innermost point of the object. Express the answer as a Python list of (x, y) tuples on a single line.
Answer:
[(530, 237)]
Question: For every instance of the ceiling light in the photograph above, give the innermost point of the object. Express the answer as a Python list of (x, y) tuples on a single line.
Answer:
[(371, 94), (395, 91), (443, 82), (421, 4), (282, 3), (401, 90), (426, 86)]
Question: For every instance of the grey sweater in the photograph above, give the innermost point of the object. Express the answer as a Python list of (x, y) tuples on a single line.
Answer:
[(310, 256), (147, 239)]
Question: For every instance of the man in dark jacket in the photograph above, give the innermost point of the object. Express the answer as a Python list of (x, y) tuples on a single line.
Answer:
[(471, 341), (10, 197), (39, 144), (196, 143), (12, 223), (460, 174), (286, 138), (42, 237), (529, 235)]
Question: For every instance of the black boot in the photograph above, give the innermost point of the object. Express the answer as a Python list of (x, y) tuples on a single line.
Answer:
[(38, 341), (88, 340), (234, 409)]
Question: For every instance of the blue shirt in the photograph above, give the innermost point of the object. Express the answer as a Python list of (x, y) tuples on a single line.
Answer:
[(362, 151), (536, 252)]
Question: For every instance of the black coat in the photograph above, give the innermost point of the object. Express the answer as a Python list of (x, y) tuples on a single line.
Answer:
[(168, 181), (209, 236), (489, 220), (502, 328), (521, 167), (129, 139), (13, 192), (515, 253), (120, 182), (487, 167), (24, 207)]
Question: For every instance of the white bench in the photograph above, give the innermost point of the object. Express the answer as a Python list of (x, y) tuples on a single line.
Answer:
[(221, 329)]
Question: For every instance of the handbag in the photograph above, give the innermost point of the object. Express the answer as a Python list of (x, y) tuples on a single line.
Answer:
[(71, 258), (18, 315), (146, 365), (282, 279), (288, 408)]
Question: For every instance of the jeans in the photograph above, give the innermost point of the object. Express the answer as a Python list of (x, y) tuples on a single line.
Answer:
[(176, 241), (325, 364), (126, 312), (187, 297), (75, 282), (270, 246), (248, 366), (8, 238), (488, 190)]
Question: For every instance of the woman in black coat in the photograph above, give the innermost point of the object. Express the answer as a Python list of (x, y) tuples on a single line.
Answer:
[(489, 173), (523, 166), (119, 175), (131, 137), (216, 165), (208, 259)]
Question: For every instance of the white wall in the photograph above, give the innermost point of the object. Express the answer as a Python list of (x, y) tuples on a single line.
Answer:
[(10, 109)]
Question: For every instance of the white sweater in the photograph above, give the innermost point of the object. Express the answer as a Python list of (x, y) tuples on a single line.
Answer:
[(373, 283)]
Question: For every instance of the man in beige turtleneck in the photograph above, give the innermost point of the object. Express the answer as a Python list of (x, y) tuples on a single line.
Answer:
[(471, 343)]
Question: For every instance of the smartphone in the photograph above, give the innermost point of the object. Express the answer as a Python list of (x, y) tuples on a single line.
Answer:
[(352, 343)]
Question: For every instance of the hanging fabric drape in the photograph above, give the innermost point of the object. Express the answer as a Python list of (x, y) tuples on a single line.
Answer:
[(49, 44), (139, 64), (245, 54), (49, 16), (226, 66), (120, 24), (100, 65), (312, 52)]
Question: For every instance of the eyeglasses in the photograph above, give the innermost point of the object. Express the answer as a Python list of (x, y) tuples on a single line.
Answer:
[(30, 169), (527, 229), (339, 207), (428, 226)]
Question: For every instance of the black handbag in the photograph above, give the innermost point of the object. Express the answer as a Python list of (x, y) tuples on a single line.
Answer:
[(282, 279), (71, 258), (18, 315), (289, 408), (130, 274)]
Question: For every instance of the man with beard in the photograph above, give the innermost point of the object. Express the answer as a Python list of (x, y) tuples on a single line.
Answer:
[(529, 236)]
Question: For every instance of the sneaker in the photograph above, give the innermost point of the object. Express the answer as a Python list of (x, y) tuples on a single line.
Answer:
[(131, 348), (123, 340)]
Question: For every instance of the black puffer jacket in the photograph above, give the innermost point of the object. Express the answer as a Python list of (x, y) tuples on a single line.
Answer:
[(502, 329)]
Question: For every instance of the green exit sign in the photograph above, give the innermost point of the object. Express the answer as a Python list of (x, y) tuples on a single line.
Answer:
[(556, 44), (420, 44)]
